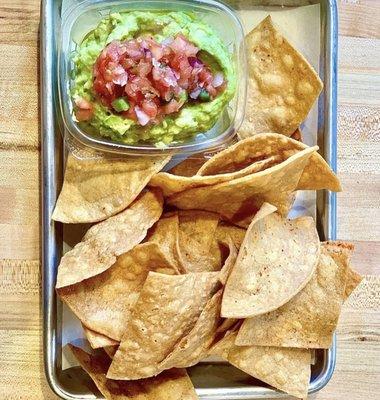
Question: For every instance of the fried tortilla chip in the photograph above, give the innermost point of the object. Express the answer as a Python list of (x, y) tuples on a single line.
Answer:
[(166, 234), (309, 319), (97, 340), (94, 190), (226, 325), (196, 233), (276, 260), (106, 240), (239, 199), (172, 184), (282, 85), (167, 310), (225, 231), (316, 175), (193, 347), (229, 262), (189, 166), (353, 280), (103, 303), (342, 252), (111, 350), (285, 369), (200, 225), (170, 385), (297, 135)]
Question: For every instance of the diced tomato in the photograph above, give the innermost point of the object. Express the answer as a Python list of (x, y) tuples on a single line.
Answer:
[(83, 115), (150, 108), (155, 77), (181, 45), (172, 107)]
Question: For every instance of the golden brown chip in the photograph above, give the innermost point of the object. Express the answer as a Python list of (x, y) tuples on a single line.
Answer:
[(229, 262), (285, 369), (193, 347), (297, 135), (94, 190), (276, 260), (108, 239), (196, 234), (224, 231), (282, 85), (309, 319), (199, 225), (111, 350), (353, 280), (173, 384), (166, 234), (226, 325), (239, 199), (316, 175), (97, 340), (172, 184), (167, 310), (103, 303), (342, 252), (189, 166)]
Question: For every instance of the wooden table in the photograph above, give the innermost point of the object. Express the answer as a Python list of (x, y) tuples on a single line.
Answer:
[(21, 369)]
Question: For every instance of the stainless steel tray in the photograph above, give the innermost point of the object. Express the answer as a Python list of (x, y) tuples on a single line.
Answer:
[(212, 381)]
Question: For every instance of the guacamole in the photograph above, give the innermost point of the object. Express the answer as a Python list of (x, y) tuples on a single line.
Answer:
[(168, 114)]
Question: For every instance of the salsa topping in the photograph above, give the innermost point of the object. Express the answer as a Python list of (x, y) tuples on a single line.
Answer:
[(145, 80)]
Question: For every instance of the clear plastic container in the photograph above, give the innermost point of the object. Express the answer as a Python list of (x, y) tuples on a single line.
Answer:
[(84, 16)]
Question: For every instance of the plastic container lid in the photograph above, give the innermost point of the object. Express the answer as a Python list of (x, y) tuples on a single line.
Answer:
[(82, 18)]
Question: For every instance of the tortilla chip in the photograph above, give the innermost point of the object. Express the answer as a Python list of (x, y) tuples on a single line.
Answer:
[(239, 199), (353, 280), (224, 231), (167, 310), (282, 85), (166, 234), (103, 303), (193, 347), (97, 340), (297, 135), (316, 175), (94, 190), (172, 184), (108, 239), (189, 166), (309, 319), (226, 325), (342, 252), (276, 260), (196, 233), (111, 350), (170, 385), (200, 225), (229, 262), (285, 369)]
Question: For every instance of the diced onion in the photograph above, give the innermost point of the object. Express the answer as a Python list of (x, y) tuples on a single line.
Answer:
[(141, 116), (167, 41), (218, 80), (195, 93)]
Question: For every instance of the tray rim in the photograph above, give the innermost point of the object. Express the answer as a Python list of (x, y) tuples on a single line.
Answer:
[(51, 177)]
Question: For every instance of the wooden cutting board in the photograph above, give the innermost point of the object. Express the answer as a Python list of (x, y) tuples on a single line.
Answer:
[(21, 368)]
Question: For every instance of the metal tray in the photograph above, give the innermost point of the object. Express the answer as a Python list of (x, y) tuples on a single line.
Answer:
[(213, 382)]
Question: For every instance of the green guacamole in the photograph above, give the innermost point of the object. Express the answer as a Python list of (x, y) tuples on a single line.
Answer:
[(192, 118)]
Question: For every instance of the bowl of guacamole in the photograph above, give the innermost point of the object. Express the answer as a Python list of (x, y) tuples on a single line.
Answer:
[(151, 78)]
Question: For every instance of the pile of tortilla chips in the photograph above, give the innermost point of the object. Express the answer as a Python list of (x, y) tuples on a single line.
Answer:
[(202, 260)]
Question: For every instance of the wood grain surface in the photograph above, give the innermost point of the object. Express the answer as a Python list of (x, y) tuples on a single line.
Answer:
[(21, 369)]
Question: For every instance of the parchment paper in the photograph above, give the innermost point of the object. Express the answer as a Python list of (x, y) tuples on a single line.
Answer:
[(301, 26)]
